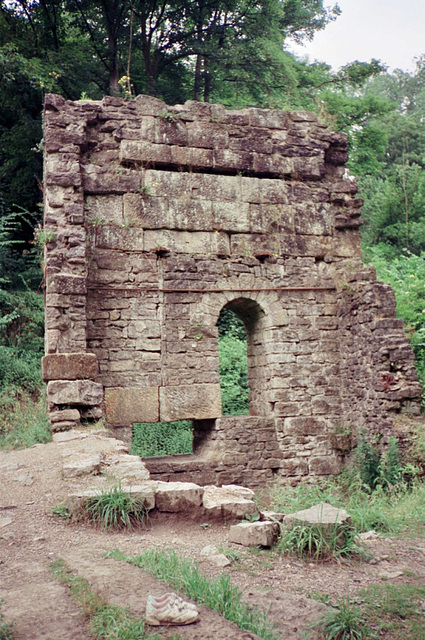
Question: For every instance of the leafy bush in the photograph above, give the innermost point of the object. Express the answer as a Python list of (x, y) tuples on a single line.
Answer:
[(162, 438)]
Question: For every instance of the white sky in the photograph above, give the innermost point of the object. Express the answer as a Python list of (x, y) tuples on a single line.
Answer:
[(392, 31)]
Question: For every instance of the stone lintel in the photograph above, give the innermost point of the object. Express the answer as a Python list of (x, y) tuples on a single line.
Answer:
[(124, 406), (190, 402), (69, 366)]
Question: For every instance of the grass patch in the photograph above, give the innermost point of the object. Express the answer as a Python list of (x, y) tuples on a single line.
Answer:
[(24, 420), (217, 594), (393, 510), (317, 542), (395, 611), (106, 622), (162, 438), (113, 509)]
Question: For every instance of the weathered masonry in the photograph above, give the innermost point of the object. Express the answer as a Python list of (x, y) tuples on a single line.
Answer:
[(156, 218)]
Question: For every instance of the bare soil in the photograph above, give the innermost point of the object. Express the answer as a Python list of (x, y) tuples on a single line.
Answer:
[(31, 484)]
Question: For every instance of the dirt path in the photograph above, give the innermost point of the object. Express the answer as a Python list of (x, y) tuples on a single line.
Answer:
[(30, 539)]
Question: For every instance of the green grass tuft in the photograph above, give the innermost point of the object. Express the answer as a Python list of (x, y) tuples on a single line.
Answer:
[(345, 622), (114, 509), (217, 594), (319, 543)]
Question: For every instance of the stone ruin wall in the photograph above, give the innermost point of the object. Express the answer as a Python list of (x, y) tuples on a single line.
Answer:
[(156, 218)]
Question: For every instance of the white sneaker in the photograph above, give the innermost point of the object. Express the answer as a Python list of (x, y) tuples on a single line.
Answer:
[(169, 609)]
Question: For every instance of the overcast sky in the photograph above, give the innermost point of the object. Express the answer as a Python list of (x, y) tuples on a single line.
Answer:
[(392, 31)]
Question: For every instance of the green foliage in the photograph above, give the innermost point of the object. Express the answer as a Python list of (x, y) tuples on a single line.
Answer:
[(385, 510), (114, 509), (406, 274), (233, 364), (218, 594), (233, 370), (318, 543), (23, 420), (162, 438), (6, 628), (344, 622)]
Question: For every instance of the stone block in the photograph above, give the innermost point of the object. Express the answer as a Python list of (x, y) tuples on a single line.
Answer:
[(190, 402), (231, 216), (74, 392), (104, 209), (72, 415), (69, 366), (323, 514), (126, 238), (196, 242), (304, 426), (227, 503), (252, 244), (254, 534), (176, 497), (131, 404), (65, 284), (129, 468), (144, 152), (84, 465), (144, 492)]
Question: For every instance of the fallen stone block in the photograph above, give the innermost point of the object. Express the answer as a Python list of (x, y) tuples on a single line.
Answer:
[(213, 555), (227, 503), (178, 496), (254, 534), (322, 514)]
